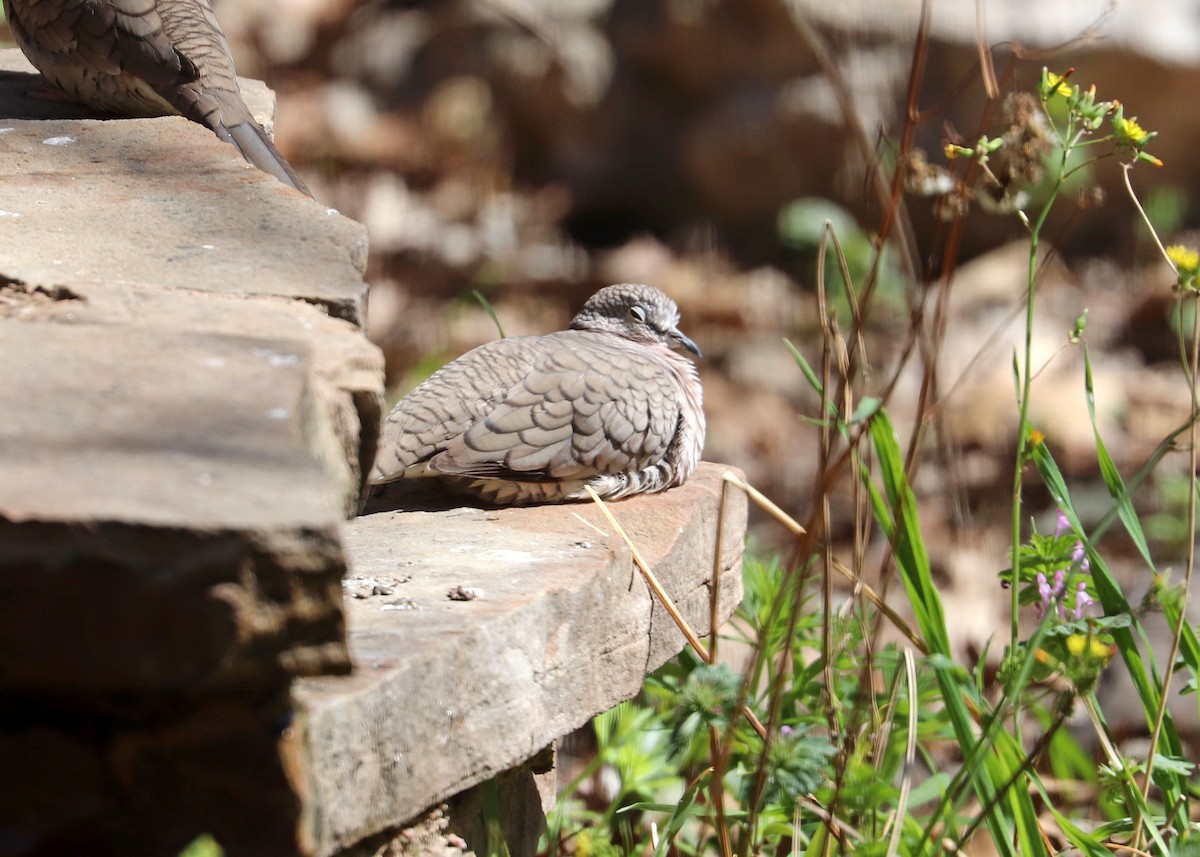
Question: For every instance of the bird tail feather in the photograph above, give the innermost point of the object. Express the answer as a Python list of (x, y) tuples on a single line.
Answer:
[(256, 147)]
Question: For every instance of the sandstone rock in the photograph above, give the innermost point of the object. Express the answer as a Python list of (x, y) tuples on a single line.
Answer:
[(448, 693), (166, 524), (121, 192), (187, 410)]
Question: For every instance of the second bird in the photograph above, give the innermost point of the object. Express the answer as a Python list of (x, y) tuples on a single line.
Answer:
[(612, 403), (145, 58)]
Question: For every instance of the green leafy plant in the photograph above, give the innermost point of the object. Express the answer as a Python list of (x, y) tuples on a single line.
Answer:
[(853, 727)]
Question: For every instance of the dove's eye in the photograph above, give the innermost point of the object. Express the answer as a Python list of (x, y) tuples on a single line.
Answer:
[(637, 314)]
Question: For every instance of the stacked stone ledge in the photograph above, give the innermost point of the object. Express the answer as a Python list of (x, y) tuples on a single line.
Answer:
[(185, 392), (187, 407)]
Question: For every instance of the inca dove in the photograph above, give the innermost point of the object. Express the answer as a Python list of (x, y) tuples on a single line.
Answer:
[(145, 58), (533, 419)]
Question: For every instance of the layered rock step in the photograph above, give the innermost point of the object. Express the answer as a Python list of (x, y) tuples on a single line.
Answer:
[(480, 636), (187, 405), (193, 639)]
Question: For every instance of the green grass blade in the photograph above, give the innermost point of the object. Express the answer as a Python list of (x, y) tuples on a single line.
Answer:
[(1086, 843), (809, 374), (904, 531), (680, 813), (1144, 676), (1108, 471), (487, 306), (1011, 819), (1112, 599), (866, 409)]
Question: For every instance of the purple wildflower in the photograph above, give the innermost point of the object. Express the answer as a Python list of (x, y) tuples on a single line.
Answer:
[(1045, 594), (1062, 524), (1082, 599), (1060, 587), (1079, 555)]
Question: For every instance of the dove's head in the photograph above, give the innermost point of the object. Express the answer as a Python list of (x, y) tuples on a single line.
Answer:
[(635, 311)]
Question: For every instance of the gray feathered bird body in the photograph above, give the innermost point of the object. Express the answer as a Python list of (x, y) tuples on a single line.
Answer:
[(145, 58), (534, 419)]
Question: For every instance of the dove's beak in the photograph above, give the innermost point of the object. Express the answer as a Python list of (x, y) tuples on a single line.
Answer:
[(680, 341)]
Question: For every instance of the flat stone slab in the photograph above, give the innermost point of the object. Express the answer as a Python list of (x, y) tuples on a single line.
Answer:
[(344, 371), (187, 408), (480, 636), (160, 202), (165, 523)]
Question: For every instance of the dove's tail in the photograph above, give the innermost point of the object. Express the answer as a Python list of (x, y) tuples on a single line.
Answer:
[(256, 147)]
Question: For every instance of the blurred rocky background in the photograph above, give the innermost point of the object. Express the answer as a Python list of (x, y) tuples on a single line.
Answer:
[(534, 150)]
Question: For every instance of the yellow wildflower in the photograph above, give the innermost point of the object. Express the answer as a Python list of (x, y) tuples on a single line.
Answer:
[(1185, 259), (1187, 266), (1096, 650), (1052, 84), (1076, 643), (1129, 131), (1057, 85)]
